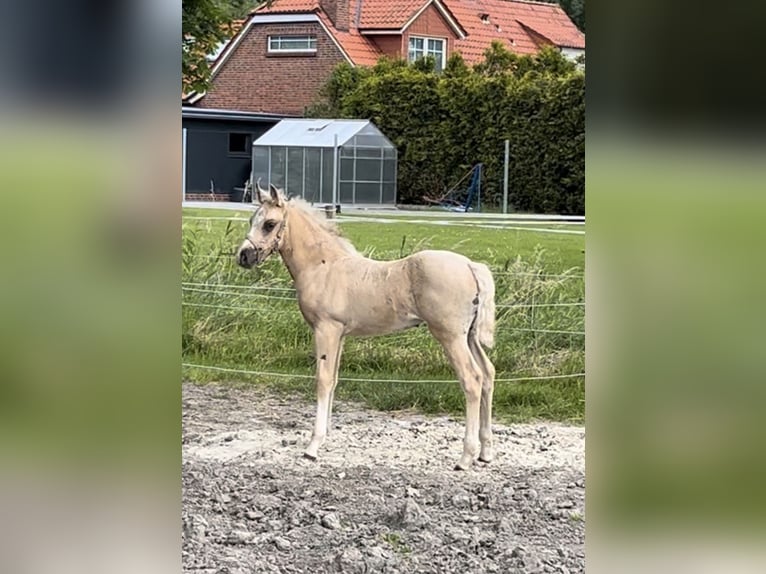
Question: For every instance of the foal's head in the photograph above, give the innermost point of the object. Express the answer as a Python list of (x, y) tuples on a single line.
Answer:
[(266, 228)]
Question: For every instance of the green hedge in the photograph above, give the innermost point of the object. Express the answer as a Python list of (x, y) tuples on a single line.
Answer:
[(444, 123)]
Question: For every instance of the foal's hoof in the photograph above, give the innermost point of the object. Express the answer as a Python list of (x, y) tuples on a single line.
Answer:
[(485, 461), (310, 457)]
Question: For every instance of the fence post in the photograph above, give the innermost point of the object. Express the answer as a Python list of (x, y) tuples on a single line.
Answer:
[(505, 177), (335, 172)]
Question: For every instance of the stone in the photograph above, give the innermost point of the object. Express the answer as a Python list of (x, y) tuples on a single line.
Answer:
[(331, 521), (282, 543), (236, 537), (350, 561)]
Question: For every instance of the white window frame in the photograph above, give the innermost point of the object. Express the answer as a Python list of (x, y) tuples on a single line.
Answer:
[(426, 51), (311, 43)]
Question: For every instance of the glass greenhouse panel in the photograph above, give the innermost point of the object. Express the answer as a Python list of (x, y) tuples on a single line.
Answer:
[(278, 165), (368, 170), (312, 175), (369, 152), (346, 192), (346, 169), (389, 170), (294, 183), (367, 193), (327, 158), (347, 151), (370, 141), (389, 192)]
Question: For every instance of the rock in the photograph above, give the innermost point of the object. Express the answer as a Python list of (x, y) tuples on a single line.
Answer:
[(566, 504), (410, 514), (251, 515), (239, 537), (331, 521), (350, 561), (282, 543), (195, 528), (222, 498), (376, 559), (532, 564), (519, 552), (461, 500)]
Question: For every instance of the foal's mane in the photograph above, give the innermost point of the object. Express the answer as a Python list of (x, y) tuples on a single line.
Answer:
[(327, 225)]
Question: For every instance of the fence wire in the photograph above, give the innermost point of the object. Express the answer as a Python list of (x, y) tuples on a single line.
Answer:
[(365, 380)]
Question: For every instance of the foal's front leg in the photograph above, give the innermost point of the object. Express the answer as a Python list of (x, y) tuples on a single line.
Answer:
[(327, 343)]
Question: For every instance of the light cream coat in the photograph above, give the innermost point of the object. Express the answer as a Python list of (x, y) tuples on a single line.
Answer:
[(341, 293)]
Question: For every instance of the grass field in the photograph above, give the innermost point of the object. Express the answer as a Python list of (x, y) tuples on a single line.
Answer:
[(249, 320)]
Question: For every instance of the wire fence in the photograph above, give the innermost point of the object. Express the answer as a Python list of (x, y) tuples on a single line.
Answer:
[(540, 318), (366, 380)]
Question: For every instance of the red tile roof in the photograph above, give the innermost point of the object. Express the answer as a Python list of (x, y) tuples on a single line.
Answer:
[(360, 49), (387, 14), (523, 26), (288, 6), (511, 22)]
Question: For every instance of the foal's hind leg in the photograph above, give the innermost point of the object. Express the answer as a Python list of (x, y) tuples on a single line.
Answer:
[(487, 389), (470, 376)]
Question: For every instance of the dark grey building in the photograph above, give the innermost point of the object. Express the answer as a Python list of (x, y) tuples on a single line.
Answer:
[(217, 150)]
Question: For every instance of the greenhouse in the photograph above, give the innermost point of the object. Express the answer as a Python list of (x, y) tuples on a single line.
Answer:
[(327, 161)]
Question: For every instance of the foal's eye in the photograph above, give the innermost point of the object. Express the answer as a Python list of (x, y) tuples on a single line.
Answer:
[(269, 226)]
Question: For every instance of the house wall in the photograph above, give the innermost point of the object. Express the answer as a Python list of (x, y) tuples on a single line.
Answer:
[(208, 157), (430, 23), (253, 80), (389, 45), (572, 53)]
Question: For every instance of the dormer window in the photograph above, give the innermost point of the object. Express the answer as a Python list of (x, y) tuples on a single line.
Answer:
[(421, 47), (484, 18), (292, 44)]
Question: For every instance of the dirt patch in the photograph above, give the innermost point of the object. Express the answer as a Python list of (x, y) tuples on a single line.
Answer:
[(381, 498)]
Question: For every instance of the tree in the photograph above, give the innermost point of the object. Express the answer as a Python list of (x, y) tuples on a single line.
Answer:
[(205, 25), (575, 9), (443, 123)]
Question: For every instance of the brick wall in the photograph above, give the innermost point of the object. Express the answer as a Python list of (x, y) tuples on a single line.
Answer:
[(389, 45), (338, 12), (252, 80), (432, 24)]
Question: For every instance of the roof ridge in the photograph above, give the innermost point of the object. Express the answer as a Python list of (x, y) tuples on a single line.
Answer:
[(539, 2)]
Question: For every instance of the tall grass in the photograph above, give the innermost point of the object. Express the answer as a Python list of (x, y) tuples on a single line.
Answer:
[(250, 321)]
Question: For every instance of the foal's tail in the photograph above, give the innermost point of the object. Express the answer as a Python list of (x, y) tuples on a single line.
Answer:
[(484, 324)]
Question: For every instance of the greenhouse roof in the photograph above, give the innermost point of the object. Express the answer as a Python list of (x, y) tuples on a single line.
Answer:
[(321, 133)]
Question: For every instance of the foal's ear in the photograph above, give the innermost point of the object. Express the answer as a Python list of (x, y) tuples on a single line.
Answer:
[(260, 194), (276, 196)]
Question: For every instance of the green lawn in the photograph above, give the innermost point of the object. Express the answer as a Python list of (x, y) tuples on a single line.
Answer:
[(248, 320)]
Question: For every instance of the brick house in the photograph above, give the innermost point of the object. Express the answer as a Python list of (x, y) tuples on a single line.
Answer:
[(283, 53)]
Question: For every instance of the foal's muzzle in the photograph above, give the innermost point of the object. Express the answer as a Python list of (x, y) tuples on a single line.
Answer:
[(249, 255)]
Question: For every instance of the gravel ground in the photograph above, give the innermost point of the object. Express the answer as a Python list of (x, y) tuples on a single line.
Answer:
[(381, 498)]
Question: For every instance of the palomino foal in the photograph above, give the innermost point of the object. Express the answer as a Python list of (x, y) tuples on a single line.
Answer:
[(340, 292)]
